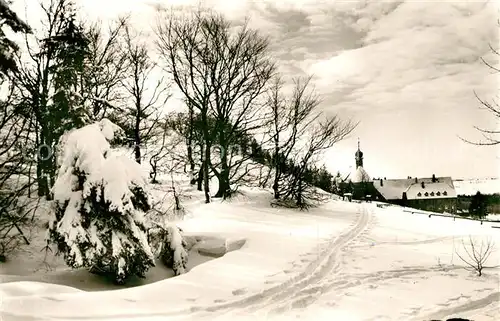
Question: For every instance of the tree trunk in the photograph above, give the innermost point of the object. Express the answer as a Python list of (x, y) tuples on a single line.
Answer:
[(300, 198), (276, 173), (137, 136), (206, 182), (224, 189), (152, 175), (39, 167), (45, 166), (190, 144), (191, 163), (276, 187), (207, 159), (200, 177), (137, 151), (41, 181)]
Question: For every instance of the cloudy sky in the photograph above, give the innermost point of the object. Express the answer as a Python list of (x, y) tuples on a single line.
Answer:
[(406, 70)]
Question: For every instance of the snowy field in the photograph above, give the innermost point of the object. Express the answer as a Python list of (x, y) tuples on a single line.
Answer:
[(343, 261), (472, 186)]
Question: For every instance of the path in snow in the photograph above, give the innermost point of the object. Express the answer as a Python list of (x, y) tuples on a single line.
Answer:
[(319, 273), (321, 270)]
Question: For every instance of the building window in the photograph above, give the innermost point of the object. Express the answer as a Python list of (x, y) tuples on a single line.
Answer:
[(445, 193), (438, 194), (432, 193), (426, 194), (419, 194)]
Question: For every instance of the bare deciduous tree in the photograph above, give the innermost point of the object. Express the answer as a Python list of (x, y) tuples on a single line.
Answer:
[(15, 141), (144, 109), (107, 65), (490, 136), (158, 154), (189, 126), (222, 72), (322, 136), (476, 254), (190, 139), (299, 134), (240, 70), (15, 175), (290, 120), (186, 56)]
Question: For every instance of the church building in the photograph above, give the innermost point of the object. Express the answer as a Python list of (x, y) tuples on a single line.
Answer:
[(435, 194)]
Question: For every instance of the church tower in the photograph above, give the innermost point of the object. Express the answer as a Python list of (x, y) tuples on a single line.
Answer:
[(359, 157)]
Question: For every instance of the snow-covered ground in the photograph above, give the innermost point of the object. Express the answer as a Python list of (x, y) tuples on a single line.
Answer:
[(342, 261), (472, 186)]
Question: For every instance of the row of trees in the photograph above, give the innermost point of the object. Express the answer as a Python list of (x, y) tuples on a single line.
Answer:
[(63, 75), (478, 205), (12, 216), (247, 148), (72, 73), (234, 95)]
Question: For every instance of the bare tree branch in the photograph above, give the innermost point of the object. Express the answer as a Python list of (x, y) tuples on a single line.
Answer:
[(477, 256)]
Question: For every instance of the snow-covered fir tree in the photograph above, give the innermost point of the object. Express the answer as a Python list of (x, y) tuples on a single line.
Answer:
[(100, 200)]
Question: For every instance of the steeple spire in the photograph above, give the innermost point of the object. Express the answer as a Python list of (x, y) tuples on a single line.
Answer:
[(359, 156)]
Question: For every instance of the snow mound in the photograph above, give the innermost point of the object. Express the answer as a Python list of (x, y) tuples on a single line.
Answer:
[(28, 288), (217, 247)]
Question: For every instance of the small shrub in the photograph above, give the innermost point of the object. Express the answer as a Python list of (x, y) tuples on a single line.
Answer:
[(477, 254), (171, 247)]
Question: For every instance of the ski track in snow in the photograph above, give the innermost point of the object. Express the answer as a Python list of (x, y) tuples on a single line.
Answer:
[(322, 275), (341, 284), (320, 272), (323, 266), (465, 307)]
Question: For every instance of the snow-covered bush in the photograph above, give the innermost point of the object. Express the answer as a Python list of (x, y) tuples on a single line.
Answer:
[(170, 247), (100, 200)]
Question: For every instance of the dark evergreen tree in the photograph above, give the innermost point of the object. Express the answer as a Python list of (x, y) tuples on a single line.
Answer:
[(324, 179), (70, 49), (49, 79), (8, 48), (478, 205)]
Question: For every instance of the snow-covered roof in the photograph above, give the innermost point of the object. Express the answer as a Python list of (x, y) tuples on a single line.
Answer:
[(430, 190), (394, 188), (360, 175)]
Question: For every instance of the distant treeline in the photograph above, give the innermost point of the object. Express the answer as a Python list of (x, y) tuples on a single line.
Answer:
[(478, 205)]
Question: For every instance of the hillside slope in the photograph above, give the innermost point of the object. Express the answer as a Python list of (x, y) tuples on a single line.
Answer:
[(316, 265), (472, 186)]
